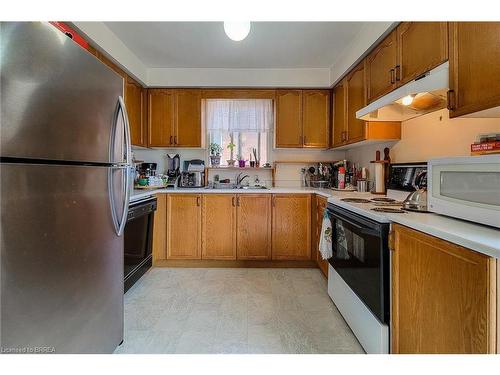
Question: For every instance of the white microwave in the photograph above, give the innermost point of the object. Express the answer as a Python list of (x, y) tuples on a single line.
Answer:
[(466, 188)]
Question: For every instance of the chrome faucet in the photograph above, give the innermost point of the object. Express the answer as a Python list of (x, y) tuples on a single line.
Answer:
[(240, 179)]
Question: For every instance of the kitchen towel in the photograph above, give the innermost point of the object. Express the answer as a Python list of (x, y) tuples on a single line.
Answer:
[(325, 240)]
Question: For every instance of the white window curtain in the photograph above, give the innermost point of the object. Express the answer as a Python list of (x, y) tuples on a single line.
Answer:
[(239, 115)]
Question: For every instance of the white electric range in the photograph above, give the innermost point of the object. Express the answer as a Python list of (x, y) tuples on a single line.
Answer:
[(359, 271)]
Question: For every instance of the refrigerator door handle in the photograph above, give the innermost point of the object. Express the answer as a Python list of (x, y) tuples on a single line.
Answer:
[(119, 223), (127, 166), (121, 109)]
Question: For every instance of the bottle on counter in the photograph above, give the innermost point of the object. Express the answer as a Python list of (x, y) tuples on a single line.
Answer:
[(341, 178)]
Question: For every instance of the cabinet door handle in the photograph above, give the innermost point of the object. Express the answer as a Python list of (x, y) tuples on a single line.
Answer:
[(171, 140), (398, 73), (304, 140), (198, 201), (175, 139), (273, 201), (450, 100), (238, 201), (392, 76), (232, 202)]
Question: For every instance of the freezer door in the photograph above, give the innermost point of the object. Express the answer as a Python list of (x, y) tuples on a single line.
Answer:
[(58, 102), (61, 259)]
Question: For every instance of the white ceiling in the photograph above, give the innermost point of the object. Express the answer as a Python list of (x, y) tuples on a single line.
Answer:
[(205, 45)]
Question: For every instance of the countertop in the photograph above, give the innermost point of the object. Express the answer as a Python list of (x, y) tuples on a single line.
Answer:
[(480, 238)]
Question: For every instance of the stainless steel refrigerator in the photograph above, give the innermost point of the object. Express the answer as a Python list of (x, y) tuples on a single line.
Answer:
[(65, 183)]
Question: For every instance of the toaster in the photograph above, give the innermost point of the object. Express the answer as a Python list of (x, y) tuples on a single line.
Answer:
[(192, 179)]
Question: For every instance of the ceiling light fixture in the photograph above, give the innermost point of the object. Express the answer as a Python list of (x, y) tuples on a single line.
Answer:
[(237, 31), (407, 100)]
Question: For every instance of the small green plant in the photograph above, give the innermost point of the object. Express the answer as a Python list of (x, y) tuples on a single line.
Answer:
[(240, 157), (215, 149), (231, 147)]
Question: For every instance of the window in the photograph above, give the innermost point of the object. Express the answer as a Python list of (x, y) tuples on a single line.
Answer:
[(246, 123)]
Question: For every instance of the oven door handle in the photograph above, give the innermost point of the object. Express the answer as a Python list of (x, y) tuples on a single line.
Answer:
[(360, 228)]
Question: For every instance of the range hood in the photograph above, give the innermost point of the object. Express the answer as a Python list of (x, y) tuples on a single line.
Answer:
[(425, 94)]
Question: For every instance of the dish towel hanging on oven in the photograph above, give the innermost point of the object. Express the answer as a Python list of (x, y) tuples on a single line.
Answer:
[(325, 239)]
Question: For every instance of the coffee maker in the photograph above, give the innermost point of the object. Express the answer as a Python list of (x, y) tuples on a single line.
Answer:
[(173, 170)]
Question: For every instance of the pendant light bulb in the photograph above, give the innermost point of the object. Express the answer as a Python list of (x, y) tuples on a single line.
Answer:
[(237, 31)]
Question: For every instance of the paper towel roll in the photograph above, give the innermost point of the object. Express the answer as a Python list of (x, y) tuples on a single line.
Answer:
[(379, 178)]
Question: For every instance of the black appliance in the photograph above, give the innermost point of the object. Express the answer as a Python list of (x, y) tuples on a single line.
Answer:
[(147, 169), (138, 240), (361, 257)]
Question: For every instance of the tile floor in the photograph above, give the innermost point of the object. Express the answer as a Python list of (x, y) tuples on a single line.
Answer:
[(234, 310)]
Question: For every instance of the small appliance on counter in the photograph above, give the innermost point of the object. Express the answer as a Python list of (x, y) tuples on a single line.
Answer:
[(466, 188), (193, 175), (173, 170)]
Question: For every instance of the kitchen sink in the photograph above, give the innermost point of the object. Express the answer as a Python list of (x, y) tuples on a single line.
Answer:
[(234, 187), (252, 187)]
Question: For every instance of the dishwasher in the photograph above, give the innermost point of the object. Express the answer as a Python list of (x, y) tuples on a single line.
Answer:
[(138, 240)]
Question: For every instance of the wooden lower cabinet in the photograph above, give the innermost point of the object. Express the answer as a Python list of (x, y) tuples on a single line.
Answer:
[(291, 229), (184, 226), (218, 226), (160, 229), (443, 296), (319, 209), (253, 233)]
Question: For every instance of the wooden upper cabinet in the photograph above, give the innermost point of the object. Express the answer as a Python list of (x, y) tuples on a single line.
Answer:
[(316, 118), (288, 118), (443, 296), (474, 67), (136, 103), (160, 117), (380, 68), (187, 118), (421, 47), (339, 115), (218, 226), (253, 226), (183, 226), (291, 226), (356, 99)]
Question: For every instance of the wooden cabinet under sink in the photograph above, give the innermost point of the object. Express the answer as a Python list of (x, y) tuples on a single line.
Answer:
[(218, 226)]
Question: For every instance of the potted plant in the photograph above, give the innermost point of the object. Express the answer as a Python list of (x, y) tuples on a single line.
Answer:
[(231, 161), (241, 161), (215, 151)]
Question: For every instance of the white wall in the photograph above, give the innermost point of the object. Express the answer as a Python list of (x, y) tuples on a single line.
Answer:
[(213, 77), (116, 50), (433, 135)]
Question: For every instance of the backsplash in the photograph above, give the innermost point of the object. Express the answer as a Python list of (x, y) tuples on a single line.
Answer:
[(287, 175), (426, 137)]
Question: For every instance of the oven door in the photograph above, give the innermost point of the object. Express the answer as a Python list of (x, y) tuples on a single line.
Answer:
[(361, 258), (138, 240)]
